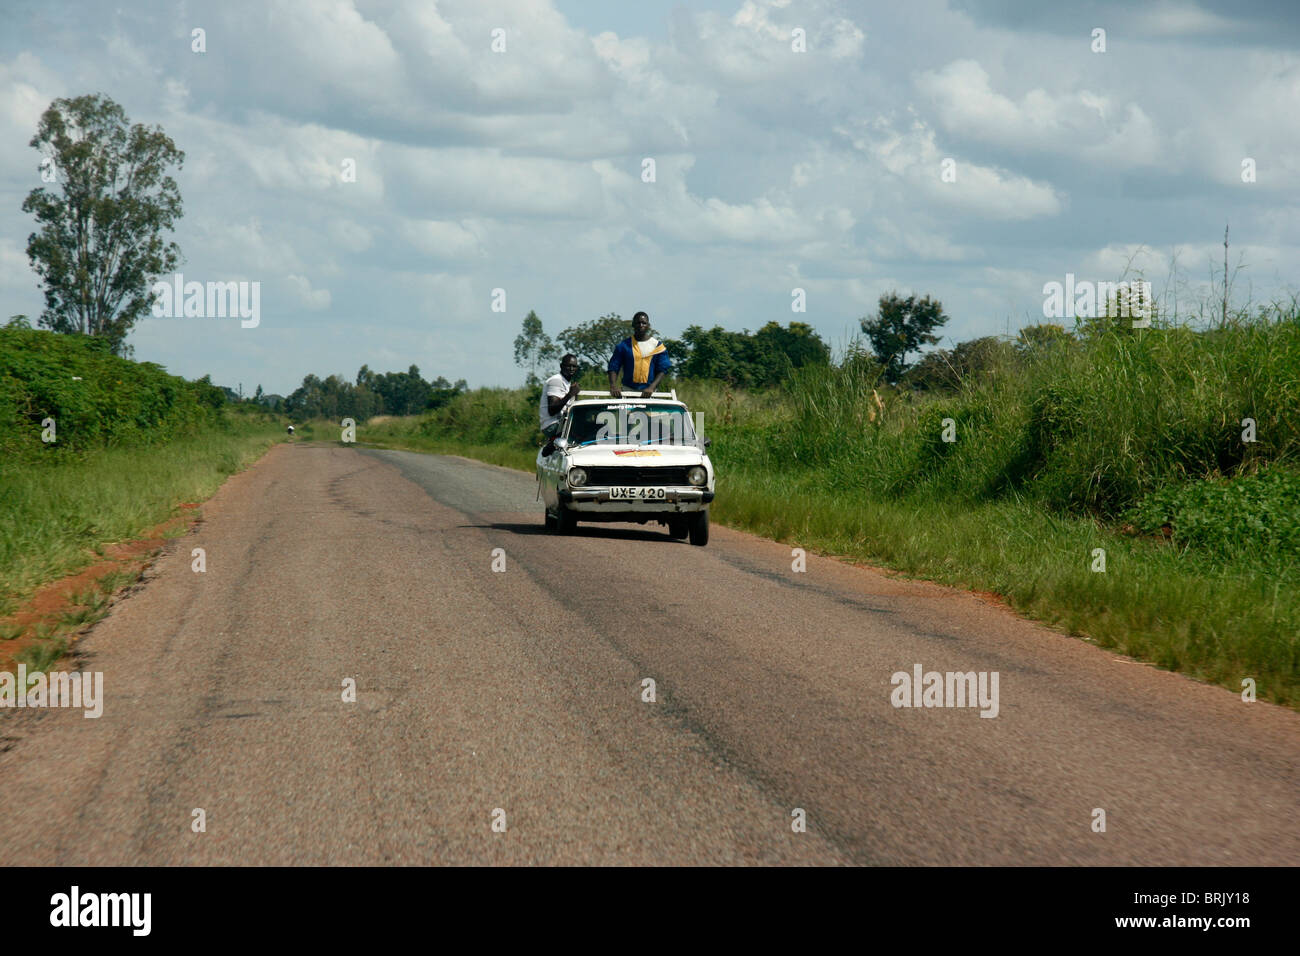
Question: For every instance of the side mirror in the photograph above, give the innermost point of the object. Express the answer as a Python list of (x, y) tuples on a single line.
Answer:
[(560, 443), (708, 442)]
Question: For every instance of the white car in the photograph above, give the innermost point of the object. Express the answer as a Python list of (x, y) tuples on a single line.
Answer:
[(627, 459)]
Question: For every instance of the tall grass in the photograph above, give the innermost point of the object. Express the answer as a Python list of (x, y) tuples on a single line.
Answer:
[(1089, 427), (59, 510)]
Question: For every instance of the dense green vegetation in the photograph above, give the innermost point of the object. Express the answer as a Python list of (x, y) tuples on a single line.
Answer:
[(131, 443), (1134, 442), (95, 398), (1250, 518), (1085, 427)]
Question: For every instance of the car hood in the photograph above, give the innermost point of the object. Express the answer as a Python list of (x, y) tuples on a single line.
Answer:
[(637, 455)]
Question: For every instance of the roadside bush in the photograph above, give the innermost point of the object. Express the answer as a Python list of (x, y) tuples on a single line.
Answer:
[(95, 398), (1233, 518)]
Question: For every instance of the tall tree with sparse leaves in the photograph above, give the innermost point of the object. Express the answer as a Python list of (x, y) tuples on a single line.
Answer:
[(534, 348), (100, 242), (902, 326)]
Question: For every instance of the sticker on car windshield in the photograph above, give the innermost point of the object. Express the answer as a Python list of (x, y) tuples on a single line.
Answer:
[(641, 494)]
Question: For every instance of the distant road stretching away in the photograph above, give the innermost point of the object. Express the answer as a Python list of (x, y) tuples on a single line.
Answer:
[(521, 691)]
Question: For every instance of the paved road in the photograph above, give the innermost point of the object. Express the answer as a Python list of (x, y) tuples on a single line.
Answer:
[(522, 691)]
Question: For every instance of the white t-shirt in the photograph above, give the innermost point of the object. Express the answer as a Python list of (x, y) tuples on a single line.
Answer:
[(556, 386)]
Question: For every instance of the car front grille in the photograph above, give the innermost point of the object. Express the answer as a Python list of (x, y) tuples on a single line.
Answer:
[(621, 475)]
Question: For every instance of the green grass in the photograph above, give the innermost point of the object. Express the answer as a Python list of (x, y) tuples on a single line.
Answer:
[(58, 511), (1219, 623), (44, 652), (51, 638), (76, 618)]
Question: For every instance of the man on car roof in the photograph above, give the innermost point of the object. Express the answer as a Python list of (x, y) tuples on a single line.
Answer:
[(641, 359)]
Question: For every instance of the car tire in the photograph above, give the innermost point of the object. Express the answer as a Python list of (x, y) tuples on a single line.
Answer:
[(679, 527), (550, 520), (565, 521), (700, 529)]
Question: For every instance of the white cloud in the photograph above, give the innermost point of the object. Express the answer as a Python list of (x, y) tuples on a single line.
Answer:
[(15, 271), (440, 240), (756, 42), (912, 156), (487, 181), (313, 299), (26, 88), (352, 236), (1082, 123)]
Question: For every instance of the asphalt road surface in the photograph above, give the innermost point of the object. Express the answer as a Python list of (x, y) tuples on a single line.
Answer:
[(517, 696)]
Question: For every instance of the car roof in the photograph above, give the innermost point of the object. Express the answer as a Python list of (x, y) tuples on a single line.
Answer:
[(626, 400)]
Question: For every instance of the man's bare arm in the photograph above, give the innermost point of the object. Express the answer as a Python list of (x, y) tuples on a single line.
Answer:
[(614, 390), (555, 402)]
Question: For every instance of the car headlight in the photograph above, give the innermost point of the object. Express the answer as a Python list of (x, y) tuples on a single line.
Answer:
[(577, 477), (697, 475)]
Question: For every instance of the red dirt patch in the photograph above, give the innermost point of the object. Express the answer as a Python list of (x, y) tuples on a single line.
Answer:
[(49, 603), (993, 597)]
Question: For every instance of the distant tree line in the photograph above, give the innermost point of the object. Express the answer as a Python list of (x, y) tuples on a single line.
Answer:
[(900, 329), (742, 359), (373, 393)]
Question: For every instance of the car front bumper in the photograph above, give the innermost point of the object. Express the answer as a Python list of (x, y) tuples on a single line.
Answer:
[(597, 501)]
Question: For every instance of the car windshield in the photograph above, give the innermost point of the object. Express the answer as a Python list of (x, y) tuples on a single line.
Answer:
[(631, 423)]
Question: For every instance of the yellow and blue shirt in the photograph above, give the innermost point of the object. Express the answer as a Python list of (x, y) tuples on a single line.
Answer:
[(640, 362)]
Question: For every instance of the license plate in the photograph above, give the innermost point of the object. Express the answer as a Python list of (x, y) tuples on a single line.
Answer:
[(637, 494)]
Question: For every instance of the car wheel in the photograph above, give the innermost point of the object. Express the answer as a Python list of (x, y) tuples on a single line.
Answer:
[(700, 529), (565, 521), (679, 527)]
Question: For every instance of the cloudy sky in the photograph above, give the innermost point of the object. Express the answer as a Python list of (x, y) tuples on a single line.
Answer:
[(775, 168)]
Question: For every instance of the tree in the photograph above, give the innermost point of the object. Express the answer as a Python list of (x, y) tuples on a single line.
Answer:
[(778, 351), (900, 327), (533, 347), (1040, 338), (678, 350), (593, 342), (334, 398), (713, 354), (395, 393), (745, 359), (100, 245), (967, 362), (443, 391)]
